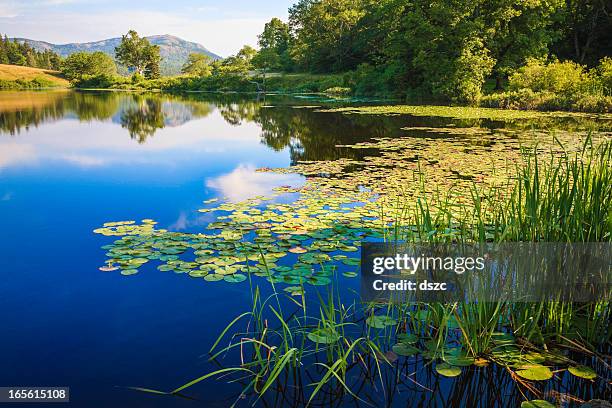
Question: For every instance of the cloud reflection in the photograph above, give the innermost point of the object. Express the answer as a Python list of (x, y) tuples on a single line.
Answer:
[(244, 182)]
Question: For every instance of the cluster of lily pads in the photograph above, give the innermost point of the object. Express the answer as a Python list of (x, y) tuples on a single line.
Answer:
[(341, 203)]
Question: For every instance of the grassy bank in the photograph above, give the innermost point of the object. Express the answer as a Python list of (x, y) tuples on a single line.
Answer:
[(285, 83), (19, 77)]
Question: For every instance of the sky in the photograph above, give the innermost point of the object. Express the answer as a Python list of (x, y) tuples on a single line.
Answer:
[(221, 26)]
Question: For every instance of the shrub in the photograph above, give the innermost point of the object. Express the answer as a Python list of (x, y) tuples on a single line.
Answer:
[(604, 72), (559, 77), (338, 90)]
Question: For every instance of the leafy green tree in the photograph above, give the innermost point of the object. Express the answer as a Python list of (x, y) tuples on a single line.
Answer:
[(585, 30), (266, 60), (197, 65), (152, 68), (276, 39), (325, 33), (238, 64), (81, 64), (138, 54)]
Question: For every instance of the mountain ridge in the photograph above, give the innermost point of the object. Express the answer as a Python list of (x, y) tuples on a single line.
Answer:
[(173, 50)]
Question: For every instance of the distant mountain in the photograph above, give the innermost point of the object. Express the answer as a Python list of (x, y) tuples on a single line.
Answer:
[(173, 50)]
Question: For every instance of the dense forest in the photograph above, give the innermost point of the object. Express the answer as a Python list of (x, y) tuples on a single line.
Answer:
[(14, 52), (439, 47)]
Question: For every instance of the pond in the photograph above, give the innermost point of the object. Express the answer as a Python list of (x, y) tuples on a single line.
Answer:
[(72, 161)]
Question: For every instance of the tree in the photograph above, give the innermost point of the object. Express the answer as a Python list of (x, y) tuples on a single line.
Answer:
[(139, 55), (152, 68), (80, 64), (197, 65), (238, 64), (276, 38), (325, 33), (266, 59)]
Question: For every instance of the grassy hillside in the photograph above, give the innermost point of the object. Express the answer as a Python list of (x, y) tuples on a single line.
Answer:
[(22, 76)]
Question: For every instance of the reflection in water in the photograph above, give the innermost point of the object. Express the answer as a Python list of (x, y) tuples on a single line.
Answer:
[(142, 119), (308, 134), (244, 182)]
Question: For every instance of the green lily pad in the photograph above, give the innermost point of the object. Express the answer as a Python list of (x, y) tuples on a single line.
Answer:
[(536, 404), (349, 274), (324, 336), (128, 272), (407, 338), (235, 278), (403, 349), (535, 372), (213, 277), (447, 370), (458, 360), (351, 261), (583, 372), (380, 322)]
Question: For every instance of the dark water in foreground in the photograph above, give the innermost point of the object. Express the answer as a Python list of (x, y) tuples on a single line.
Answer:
[(71, 161)]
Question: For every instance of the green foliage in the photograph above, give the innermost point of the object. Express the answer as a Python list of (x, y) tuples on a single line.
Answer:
[(198, 65), (82, 64), (604, 71), (559, 77), (274, 43), (26, 84), (138, 54), (20, 53), (557, 86)]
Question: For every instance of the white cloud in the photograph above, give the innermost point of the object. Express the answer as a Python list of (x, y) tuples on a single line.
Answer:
[(83, 160), (12, 153), (244, 182), (7, 196)]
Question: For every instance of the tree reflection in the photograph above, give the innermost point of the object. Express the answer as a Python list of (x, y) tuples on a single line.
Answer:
[(308, 134), (142, 118)]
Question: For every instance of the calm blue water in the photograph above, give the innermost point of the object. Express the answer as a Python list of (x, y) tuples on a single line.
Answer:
[(64, 172), (70, 162)]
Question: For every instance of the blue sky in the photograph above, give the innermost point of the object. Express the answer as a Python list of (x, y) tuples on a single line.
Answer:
[(221, 26)]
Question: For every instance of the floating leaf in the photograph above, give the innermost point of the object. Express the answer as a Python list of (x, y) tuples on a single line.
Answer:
[(535, 372), (128, 272), (536, 404), (583, 372), (380, 322), (235, 278), (213, 277), (458, 360), (403, 349), (407, 338), (447, 370), (325, 335)]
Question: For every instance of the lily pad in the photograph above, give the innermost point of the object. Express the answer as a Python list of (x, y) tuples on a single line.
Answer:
[(407, 338), (213, 277), (325, 335), (458, 360), (380, 322), (235, 278), (403, 349), (583, 372), (535, 372), (447, 370), (536, 404), (128, 272)]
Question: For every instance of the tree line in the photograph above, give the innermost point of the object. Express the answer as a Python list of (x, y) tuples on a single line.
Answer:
[(14, 52), (435, 47)]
